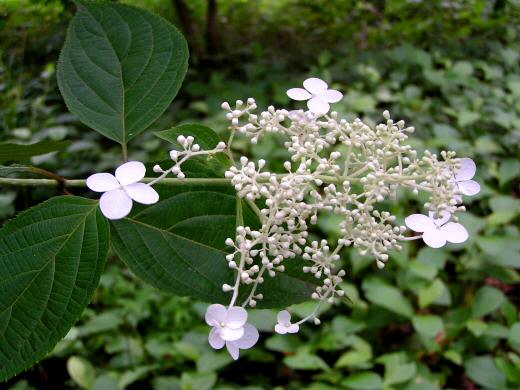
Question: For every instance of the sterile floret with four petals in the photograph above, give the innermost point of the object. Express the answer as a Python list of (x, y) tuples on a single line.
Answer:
[(284, 324), (230, 328), (121, 189), (318, 94), (437, 231)]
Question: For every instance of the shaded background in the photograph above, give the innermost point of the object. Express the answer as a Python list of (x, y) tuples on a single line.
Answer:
[(432, 319)]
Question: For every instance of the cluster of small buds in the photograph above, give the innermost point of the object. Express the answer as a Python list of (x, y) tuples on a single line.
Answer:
[(330, 288), (324, 261), (248, 181), (372, 232), (333, 157), (268, 122), (189, 149)]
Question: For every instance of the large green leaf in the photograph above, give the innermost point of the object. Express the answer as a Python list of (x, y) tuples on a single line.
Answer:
[(120, 68), (51, 258), (18, 152), (178, 246)]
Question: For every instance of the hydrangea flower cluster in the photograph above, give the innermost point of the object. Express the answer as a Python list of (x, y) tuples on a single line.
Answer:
[(335, 166)]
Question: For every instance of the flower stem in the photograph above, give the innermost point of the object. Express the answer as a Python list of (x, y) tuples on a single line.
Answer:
[(124, 149), (83, 183)]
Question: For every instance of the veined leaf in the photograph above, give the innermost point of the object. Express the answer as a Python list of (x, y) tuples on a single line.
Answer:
[(178, 245), (120, 68), (51, 258), (18, 152)]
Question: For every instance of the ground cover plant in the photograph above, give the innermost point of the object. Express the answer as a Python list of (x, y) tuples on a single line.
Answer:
[(448, 317)]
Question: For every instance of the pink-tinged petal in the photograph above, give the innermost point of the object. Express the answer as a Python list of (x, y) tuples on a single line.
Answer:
[(236, 317), (440, 220), (130, 172), (469, 187), (280, 329), (115, 204), (298, 94), (284, 317), (454, 232), (229, 334), (215, 313), (294, 328), (215, 340), (249, 338), (318, 106), (315, 86), (419, 222), (467, 169), (434, 238), (142, 193), (102, 182), (233, 349), (331, 96)]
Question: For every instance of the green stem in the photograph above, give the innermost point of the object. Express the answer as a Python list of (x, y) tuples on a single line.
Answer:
[(83, 183), (124, 149), (61, 182)]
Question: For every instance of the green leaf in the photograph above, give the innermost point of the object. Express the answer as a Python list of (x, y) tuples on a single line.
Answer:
[(133, 375), (361, 353), (103, 322), (505, 209), (387, 296), (178, 245), (16, 152), (198, 381), (105, 382), (509, 169), (484, 372), (306, 361), (120, 68), (514, 337), (487, 299), (398, 372), (431, 293), (502, 251), (476, 326), (51, 258), (466, 118), (511, 372), (363, 381), (213, 361), (453, 356), (82, 371), (423, 270), (428, 325)]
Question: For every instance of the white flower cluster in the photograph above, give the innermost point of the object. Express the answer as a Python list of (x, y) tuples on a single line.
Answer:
[(346, 168), (336, 166)]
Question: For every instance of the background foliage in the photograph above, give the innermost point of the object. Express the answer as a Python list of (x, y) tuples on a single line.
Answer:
[(432, 319)]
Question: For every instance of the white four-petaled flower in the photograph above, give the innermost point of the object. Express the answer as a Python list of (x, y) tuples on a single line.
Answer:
[(437, 231), (318, 95), (119, 190), (230, 329), (464, 175), (284, 323)]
